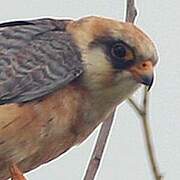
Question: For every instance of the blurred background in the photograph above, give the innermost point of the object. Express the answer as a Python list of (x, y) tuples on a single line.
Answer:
[(125, 157)]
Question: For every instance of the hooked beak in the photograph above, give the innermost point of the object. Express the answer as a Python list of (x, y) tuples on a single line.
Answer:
[(147, 80), (143, 73)]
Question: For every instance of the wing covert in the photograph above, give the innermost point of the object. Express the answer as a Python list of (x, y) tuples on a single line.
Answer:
[(36, 59)]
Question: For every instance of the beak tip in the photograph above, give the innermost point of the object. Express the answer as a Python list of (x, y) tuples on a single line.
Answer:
[(147, 80), (149, 88)]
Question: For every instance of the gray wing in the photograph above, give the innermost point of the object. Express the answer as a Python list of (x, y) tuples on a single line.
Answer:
[(36, 58)]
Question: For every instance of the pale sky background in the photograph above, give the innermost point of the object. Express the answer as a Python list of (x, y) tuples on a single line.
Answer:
[(125, 157)]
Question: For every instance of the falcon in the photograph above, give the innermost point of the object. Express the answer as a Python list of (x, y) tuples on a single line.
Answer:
[(59, 79)]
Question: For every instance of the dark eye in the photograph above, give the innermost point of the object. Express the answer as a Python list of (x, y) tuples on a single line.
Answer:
[(121, 51), (118, 51)]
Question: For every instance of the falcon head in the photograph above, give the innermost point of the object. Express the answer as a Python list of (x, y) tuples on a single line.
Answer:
[(115, 54)]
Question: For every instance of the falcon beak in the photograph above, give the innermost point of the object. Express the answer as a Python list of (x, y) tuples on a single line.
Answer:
[(143, 73), (148, 80)]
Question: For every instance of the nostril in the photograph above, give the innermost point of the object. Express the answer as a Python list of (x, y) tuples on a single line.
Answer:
[(144, 65)]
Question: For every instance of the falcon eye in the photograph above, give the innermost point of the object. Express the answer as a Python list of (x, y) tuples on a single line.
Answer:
[(121, 51), (118, 50)]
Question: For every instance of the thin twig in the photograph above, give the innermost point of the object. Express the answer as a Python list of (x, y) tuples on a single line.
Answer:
[(136, 108), (99, 148), (131, 11), (106, 126), (147, 133)]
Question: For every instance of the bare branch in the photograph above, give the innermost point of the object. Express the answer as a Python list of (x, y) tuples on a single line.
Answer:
[(99, 148), (135, 106), (105, 129), (146, 101), (147, 133), (131, 11)]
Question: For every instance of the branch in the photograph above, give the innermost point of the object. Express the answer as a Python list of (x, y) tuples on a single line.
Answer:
[(147, 133), (131, 11), (135, 106), (106, 126), (99, 148)]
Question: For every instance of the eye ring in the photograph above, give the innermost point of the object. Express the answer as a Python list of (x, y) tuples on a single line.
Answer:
[(119, 50)]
